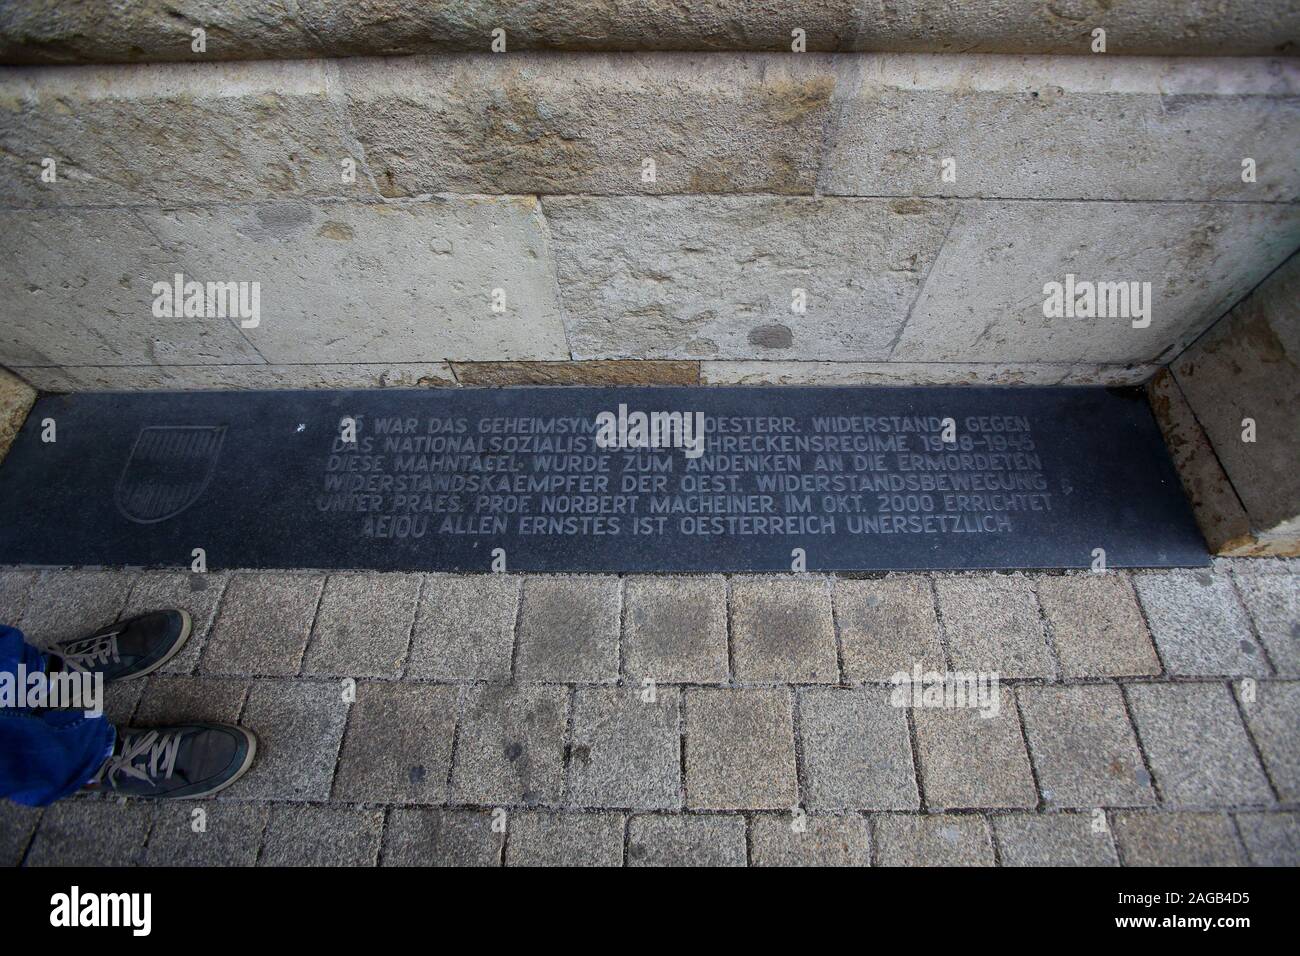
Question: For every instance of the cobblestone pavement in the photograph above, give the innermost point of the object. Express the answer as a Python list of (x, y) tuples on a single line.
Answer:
[(1142, 718)]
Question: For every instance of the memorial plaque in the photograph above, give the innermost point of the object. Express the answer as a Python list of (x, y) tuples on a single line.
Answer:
[(598, 479)]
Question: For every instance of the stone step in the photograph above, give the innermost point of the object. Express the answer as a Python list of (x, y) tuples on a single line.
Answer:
[(38, 32)]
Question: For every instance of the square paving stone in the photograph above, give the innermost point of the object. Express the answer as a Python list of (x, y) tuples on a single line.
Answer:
[(263, 624), (568, 629), (740, 750), (887, 625), (944, 839), (676, 629), (1274, 721), (465, 628), (969, 760), (322, 836), (992, 624), (1272, 839), (782, 630), (198, 594), (1096, 625), (856, 750), (1196, 746), (1083, 747), (1199, 624), (681, 840), (299, 726), (231, 834), (66, 604), (397, 748), (175, 700), (1176, 839), (824, 840), (1053, 839), (15, 588), (539, 838), (92, 833), (626, 752), (442, 838), (120, 701), (17, 824), (510, 747), (363, 625), (1273, 601)]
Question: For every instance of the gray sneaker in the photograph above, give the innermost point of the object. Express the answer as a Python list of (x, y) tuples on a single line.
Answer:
[(131, 648), (188, 760)]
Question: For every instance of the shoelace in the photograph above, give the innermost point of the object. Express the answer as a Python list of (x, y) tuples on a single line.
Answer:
[(161, 750), (90, 653)]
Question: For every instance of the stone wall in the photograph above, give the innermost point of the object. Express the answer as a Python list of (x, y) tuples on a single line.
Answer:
[(527, 173)]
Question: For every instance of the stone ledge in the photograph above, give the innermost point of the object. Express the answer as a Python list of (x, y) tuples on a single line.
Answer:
[(40, 31), (16, 399)]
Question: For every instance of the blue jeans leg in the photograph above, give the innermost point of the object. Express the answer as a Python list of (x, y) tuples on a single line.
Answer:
[(44, 754)]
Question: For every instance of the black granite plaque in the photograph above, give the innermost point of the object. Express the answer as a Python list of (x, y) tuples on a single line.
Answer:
[(858, 478)]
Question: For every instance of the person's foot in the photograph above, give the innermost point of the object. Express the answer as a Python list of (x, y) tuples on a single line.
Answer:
[(188, 760), (127, 649)]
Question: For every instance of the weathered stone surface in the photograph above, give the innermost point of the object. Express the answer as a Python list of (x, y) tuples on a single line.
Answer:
[(887, 625), (539, 124), (1196, 745), (1248, 366), (92, 833), (263, 624), (17, 824), (940, 839), (326, 272), (1014, 127), (465, 629), (174, 700), (775, 372), (992, 625), (510, 748), (184, 378), (1199, 624), (1096, 626), (15, 588), (713, 276), (1273, 601), (40, 31), (1219, 512), (1176, 839), (270, 130), (16, 398), (398, 744), (569, 628), (538, 838), (1273, 717), (322, 836), (1084, 750), (1272, 839), (856, 751), (740, 750), (232, 835), (675, 629), (627, 372), (825, 840), (441, 838), (983, 298), (299, 727), (63, 605), (782, 630), (363, 625), (971, 760), (1053, 839), (626, 751), (714, 840)]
